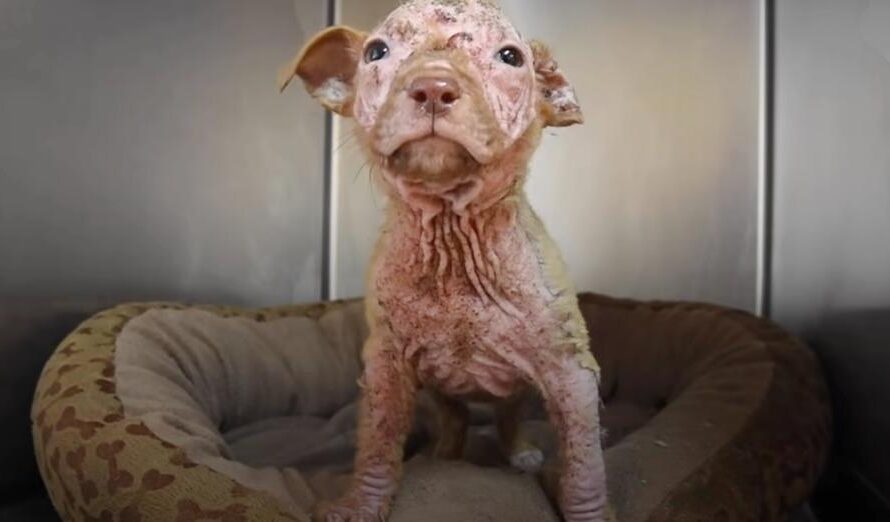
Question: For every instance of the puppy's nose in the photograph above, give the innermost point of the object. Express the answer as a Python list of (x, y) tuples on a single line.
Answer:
[(434, 94)]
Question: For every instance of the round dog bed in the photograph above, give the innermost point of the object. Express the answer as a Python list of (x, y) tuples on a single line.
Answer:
[(156, 412)]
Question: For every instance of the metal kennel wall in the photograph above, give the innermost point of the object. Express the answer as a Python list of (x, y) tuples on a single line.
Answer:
[(146, 154), (656, 196)]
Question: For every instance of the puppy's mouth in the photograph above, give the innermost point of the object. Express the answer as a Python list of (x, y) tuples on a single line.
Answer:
[(433, 158)]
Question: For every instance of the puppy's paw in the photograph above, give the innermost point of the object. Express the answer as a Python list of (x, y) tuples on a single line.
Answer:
[(582, 503), (587, 516), (349, 510), (528, 459)]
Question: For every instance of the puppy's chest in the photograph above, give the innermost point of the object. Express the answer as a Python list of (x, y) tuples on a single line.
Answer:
[(468, 320)]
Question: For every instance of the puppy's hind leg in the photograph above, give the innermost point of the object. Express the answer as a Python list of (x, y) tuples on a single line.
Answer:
[(452, 418), (523, 455)]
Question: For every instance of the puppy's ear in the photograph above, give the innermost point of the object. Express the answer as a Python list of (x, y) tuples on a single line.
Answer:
[(327, 66), (559, 104)]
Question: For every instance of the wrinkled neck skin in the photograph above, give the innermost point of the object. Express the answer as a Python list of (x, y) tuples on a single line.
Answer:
[(473, 236), (457, 233)]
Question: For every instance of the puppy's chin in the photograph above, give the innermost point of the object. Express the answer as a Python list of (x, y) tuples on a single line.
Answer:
[(432, 159)]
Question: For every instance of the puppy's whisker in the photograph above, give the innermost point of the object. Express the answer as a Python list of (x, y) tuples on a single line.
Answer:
[(359, 171), (373, 188), (351, 139)]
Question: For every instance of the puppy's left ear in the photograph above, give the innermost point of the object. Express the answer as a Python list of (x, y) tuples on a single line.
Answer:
[(327, 66), (559, 104)]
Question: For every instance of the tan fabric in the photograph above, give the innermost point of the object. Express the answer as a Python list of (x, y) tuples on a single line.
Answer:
[(208, 414), (230, 391)]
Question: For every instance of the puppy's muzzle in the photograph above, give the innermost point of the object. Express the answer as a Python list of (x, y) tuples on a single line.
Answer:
[(437, 95)]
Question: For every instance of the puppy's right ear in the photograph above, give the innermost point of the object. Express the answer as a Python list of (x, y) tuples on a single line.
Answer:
[(327, 66)]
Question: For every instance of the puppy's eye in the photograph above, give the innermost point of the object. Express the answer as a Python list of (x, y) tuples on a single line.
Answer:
[(511, 56), (376, 50)]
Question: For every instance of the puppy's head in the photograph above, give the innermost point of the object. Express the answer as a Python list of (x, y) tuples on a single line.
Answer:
[(441, 90)]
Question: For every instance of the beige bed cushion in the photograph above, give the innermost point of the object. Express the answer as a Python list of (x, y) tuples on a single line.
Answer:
[(174, 413), (231, 391)]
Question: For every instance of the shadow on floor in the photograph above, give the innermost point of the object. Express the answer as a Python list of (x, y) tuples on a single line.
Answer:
[(854, 348)]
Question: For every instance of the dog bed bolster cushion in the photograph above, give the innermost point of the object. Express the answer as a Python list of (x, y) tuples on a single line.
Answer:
[(173, 413)]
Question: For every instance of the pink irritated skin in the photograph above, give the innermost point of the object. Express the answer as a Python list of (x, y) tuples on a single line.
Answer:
[(474, 31), (467, 294)]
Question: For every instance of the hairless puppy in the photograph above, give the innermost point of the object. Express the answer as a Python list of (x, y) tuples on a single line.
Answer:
[(468, 296)]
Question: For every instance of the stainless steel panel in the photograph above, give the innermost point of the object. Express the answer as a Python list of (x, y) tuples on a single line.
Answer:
[(656, 196), (146, 153), (832, 250)]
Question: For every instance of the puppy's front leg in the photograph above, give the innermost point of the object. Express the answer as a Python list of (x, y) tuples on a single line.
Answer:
[(572, 397), (385, 418)]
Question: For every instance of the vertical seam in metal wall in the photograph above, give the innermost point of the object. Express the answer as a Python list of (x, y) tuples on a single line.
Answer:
[(327, 234), (766, 175)]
